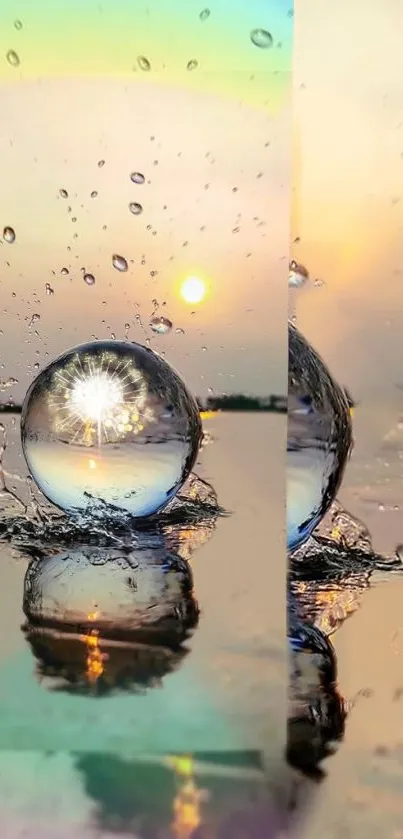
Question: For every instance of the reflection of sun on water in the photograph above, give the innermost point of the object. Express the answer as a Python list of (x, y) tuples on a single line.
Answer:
[(186, 805), (193, 290), (95, 657)]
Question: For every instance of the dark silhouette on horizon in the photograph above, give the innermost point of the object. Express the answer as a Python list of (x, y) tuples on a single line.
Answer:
[(229, 402)]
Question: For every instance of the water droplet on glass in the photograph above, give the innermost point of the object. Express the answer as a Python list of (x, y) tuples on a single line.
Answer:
[(261, 38), (89, 279), (48, 289), (64, 194), (94, 429), (204, 349), (319, 439), (34, 319), (135, 208), (298, 274), (143, 63), (13, 58), (137, 178), (160, 325), (36, 365), (179, 331), (100, 164), (74, 219), (94, 193), (119, 262), (192, 64), (204, 14), (9, 235), (18, 24), (64, 271)]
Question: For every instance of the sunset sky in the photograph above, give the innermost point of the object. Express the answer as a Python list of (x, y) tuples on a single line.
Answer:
[(348, 118), (213, 143)]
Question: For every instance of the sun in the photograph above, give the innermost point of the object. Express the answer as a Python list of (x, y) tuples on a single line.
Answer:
[(193, 290)]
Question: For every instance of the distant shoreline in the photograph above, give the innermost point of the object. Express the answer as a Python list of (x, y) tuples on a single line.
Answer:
[(240, 409)]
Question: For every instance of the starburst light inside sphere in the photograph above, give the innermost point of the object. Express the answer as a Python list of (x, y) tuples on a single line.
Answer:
[(110, 423)]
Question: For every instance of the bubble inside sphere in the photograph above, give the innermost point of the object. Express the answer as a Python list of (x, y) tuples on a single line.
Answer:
[(110, 423), (319, 439)]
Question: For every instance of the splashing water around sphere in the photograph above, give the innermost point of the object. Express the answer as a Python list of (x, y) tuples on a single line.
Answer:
[(319, 439), (111, 425)]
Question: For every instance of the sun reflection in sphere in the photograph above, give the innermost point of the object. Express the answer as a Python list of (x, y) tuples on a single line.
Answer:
[(100, 400)]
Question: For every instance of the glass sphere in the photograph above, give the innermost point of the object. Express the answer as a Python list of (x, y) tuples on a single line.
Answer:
[(145, 594), (319, 439), (111, 423)]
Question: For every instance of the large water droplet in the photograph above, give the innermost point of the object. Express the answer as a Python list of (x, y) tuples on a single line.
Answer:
[(110, 423), (298, 274), (119, 262), (160, 325), (143, 63), (319, 439), (204, 14), (137, 178), (9, 235), (135, 208), (89, 279), (13, 58), (192, 64), (261, 38)]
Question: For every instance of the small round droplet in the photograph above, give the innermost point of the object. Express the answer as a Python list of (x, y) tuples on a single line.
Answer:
[(137, 177), (298, 274), (135, 208), (17, 25), (261, 38), (63, 193), (143, 63), (94, 194), (64, 271), (192, 64), (204, 14), (100, 164), (13, 58), (9, 235), (89, 279), (119, 262), (160, 325)]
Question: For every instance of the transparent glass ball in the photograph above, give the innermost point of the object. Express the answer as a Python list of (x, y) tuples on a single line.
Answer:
[(113, 423), (144, 594), (319, 439)]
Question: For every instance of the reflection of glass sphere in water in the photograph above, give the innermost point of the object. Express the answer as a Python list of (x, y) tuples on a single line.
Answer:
[(145, 594), (319, 439), (110, 422)]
